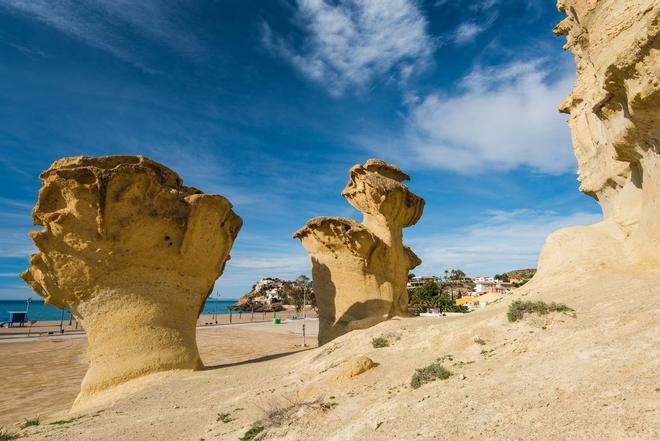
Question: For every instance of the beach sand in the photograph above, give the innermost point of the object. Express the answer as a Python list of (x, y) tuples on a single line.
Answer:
[(52, 327), (591, 375), (43, 376)]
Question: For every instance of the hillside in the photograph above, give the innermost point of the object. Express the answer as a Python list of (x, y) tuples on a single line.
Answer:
[(594, 376), (524, 274)]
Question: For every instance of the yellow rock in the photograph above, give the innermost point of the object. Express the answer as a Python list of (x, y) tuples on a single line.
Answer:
[(360, 270), (133, 254), (357, 365), (614, 111)]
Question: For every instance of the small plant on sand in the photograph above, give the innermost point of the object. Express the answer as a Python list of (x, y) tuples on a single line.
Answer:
[(519, 308), (28, 422), (479, 341), (63, 422), (427, 374), (252, 433), (225, 418), (7, 436), (379, 342)]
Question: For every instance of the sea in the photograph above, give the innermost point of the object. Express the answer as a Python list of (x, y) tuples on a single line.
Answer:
[(42, 312)]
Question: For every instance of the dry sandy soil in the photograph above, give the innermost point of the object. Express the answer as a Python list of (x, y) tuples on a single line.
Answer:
[(595, 376), (43, 377)]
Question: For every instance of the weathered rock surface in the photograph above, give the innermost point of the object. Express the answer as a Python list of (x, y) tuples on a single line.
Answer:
[(360, 270), (614, 113), (133, 254), (357, 365)]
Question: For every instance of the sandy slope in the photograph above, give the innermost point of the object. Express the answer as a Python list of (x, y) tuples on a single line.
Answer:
[(592, 377), (43, 377)]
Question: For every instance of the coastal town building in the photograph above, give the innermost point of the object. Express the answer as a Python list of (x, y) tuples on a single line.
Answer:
[(417, 282), (495, 286), (271, 290)]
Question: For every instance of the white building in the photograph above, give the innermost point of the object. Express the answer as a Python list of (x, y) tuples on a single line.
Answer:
[(270, 289), (417, 282), (485, 286)]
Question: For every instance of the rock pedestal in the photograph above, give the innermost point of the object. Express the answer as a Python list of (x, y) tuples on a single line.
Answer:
[(360, 270), (614, 112), (133, 254)]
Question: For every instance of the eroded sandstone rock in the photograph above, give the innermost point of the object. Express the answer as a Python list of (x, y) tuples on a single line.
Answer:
[(614, 112), (357, 365), (360, 270), (133, 254)]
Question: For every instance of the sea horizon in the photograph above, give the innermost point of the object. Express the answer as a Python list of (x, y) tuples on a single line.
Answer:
[(42, 312)]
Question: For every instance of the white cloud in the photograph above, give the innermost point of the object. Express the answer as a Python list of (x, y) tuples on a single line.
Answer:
[(15, 242), (252, 259), (15, 222), (482, 5), (467, 32), (352, 42), (503, 242), (278, 263), (112, 25), (501, 118), (474, 5)]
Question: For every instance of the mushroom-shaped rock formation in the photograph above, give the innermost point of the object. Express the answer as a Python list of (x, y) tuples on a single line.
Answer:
[(614, 112), (360, 270), (133, 254)]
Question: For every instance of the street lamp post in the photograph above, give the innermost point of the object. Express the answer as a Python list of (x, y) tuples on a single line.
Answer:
[(304, 304), (215, 307)]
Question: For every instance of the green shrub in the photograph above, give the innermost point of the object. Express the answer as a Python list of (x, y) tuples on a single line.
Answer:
[(6, 436), (519, 308), (225, 418), (379, 342), (427, 374), (28, 422), (254, 430), (62, 422)]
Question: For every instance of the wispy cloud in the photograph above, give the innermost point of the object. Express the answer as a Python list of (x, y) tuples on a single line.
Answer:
[(252, 261), (277, 263), (15, 242), (500, 118), (467, 32), (115, 26), (14, 292), (504, 241), (483, 14), (473, 5), (350, 42), (15, 222), (28, 52)]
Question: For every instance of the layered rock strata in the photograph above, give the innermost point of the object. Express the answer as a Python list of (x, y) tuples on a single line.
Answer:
[(133, 254), (614, 112), (360, 270)]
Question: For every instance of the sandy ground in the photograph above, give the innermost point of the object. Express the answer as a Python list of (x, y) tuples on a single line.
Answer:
[(595, 376), (43, 377), (43, 328)]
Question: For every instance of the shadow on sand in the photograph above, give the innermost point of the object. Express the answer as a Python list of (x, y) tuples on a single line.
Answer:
[(256, 360)]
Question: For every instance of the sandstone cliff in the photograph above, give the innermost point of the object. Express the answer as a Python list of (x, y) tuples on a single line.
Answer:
[(614, 112)]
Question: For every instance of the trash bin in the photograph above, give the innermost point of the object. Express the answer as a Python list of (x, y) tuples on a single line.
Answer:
[(277, 321)]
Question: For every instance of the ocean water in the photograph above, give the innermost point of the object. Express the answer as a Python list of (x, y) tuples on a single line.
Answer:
[(39, 311)]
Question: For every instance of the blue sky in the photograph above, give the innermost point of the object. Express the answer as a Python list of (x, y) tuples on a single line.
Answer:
[(269, 103)]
